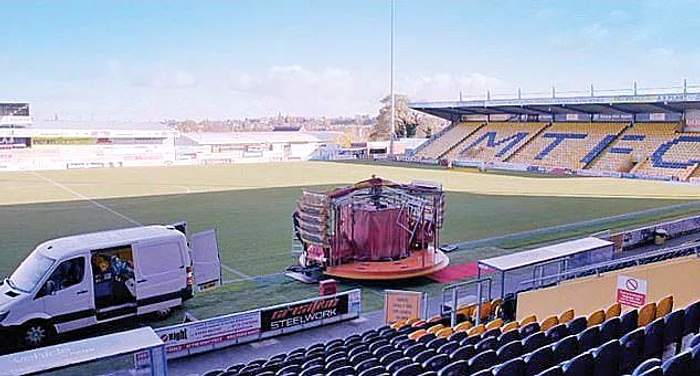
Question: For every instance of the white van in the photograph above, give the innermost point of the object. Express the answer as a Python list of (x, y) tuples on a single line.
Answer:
[(74, 282)]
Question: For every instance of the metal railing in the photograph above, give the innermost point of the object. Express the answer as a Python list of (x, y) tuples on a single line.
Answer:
[(622, 263), (591, 91), (452, 293)]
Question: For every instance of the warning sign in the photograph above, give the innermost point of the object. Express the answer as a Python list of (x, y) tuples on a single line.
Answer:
[(402, 305), (631, 291)]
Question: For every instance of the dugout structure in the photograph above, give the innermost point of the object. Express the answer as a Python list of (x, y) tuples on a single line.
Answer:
[(539, 267), (375, 229)]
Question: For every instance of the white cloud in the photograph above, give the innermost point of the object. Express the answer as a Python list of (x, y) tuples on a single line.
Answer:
[(618, 16), (445, 86), (594, 32), (166, 79), (122, 93)]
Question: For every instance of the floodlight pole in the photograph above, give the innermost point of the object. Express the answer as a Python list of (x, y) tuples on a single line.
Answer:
[(393, 101)]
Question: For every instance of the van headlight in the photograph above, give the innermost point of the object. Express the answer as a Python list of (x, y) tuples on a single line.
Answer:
[(3, 315)]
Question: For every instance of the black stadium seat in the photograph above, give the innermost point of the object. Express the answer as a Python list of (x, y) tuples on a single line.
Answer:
[(509, 351), (374, 371), (513, 367), (679, 365), (589, 338), (553, 371), (577, 325), (654, 339), (610, 329), (409, 370), (436, 362), (646, 365), (607, 358), (580, 365), (538, 361), (632, 349), (448, 347), (566, 348)]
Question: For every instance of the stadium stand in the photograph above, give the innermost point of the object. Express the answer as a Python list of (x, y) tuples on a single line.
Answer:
[(635, 145), (602, 343), (442, 144), (648, 136), (496, 141), (569, 145), (676, 158)]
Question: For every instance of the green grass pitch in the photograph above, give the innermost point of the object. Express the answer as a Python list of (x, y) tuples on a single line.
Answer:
[(251, 207)]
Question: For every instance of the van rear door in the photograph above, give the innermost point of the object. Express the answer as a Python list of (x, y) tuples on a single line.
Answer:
[(160, 273), (205, 257)]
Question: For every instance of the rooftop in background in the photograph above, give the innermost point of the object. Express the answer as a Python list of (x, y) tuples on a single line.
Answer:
[(14, 113), (102, 125), (216, 138), (91, 130), (287, 128), (612, 103)]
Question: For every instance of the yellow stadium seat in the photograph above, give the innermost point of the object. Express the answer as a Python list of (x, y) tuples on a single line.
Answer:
[(444, 332), (497, 323), (434, 329), (549, 322), (647, 314), (398, 324), (614, 310), (513, 325), (664, 306), (417, 334), (596, 318), (463, 327), (528, 319), (419, 323), (477, 330), (566, 316)]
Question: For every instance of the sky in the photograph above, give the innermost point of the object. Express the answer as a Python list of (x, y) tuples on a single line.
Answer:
[(206, 59)]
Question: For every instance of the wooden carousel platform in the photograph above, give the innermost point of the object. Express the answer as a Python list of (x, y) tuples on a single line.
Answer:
[(417, 264)]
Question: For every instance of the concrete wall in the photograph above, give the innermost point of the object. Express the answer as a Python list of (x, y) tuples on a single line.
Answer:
[(679, 277)]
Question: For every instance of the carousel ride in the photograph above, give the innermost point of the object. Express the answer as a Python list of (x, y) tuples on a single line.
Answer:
[(373, 230)]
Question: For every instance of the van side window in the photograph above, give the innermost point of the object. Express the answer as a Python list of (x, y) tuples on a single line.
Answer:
[(67, 274)]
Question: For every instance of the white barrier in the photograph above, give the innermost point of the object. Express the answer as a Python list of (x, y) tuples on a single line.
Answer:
[(238, 328)]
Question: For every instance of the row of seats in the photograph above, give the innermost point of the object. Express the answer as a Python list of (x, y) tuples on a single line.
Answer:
[(496, 141), (568, 145), (653, 149), (676, 158), (593, 345), (636, 144), (438, 146)]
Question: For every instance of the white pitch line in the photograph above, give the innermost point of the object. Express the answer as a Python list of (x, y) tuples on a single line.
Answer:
[(120, 215), (236, 272), (88, 199)]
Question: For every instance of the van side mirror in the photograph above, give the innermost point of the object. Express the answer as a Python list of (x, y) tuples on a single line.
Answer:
[(50, 288)]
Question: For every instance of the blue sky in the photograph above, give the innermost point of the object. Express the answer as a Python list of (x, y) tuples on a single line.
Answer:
[(149, 60)]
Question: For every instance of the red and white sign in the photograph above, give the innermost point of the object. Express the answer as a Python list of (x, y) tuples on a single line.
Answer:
[(631, 291)]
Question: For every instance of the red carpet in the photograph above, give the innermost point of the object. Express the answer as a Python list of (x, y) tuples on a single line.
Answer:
[(454, 273)]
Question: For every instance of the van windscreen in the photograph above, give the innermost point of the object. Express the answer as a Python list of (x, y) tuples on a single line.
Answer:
[(30, 272)]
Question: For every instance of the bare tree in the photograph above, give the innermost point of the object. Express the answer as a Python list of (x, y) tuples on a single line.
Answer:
[(408, 122)]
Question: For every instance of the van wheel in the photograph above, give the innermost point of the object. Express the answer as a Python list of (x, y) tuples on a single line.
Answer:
[(163, 314), (36, 334)]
